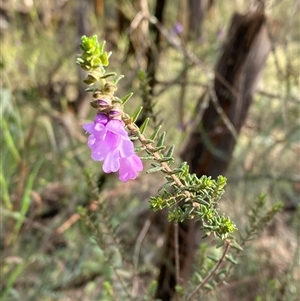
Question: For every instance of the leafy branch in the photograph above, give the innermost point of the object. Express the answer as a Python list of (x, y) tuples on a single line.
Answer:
[(184, 194)]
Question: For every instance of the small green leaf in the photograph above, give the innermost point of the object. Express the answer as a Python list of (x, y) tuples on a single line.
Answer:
[(117, 79), (146, 158), (104, 59), (230, 258), (220, 244), (187, 213), (157, 149), (106, 75), (139, 148), (148, 141), (79, 61), (235, 245), (126, 98), (101, 46), (154, 169), (176, 170), (154, 164), (167, 159), (133, 138), (90, 89), (166, 185), (170, 151), (136, 114), (214, 259), (208, 287), (222, 271), (161, 140), (144, 125), (155, 133)]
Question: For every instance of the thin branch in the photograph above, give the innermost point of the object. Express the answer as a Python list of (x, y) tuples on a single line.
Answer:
[(176, 248), (278, 96), (136, 254), (139, 242), (211, 273), (222, 114)]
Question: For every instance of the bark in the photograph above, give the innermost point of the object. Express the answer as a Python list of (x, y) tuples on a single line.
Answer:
[(197, 12), (152, 54), (210, 146)]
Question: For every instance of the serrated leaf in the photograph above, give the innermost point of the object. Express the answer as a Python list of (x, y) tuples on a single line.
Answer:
[(155, 133), (154, 169), (161, 140), (144, 125), (136, 114)]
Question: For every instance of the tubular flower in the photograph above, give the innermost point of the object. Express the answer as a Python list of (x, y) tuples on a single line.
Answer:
[(110, 143)]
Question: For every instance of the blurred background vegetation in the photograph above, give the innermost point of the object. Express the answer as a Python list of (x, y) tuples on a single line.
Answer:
[(47, 251)]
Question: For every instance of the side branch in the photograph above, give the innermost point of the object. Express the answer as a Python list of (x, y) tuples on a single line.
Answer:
[(211, 273)]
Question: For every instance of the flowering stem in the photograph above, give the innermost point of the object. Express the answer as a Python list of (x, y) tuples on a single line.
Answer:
[(110, 143), (156, 156)]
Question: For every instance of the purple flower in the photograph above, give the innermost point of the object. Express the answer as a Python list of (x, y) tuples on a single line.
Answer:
[(129, 166), (177, 28), (109, 142)]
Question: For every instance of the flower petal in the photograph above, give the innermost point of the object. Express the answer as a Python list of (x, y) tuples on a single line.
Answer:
[(126, 148), (129, 166), (111, 162), (101, 118), (117, 127)]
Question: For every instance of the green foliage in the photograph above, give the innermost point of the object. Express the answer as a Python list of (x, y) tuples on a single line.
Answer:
[(259, 217)]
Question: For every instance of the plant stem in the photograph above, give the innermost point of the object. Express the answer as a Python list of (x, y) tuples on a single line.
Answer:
[(211, 273)]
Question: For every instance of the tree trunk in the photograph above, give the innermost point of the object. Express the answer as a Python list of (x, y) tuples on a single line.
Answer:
[(210, 146)]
